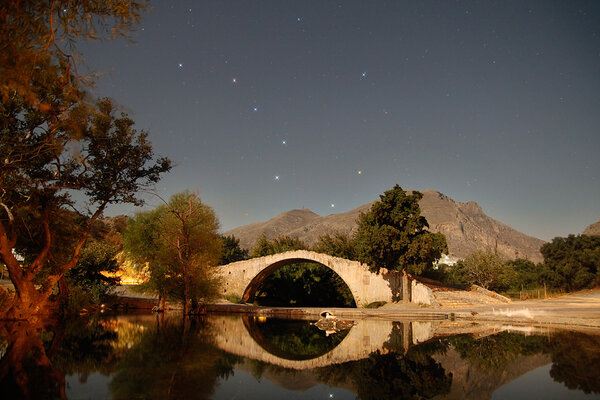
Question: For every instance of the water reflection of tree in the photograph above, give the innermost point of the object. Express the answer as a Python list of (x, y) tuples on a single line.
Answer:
[(495, 352), (86, 347), (26, 370), (415, 375), (175, 360), (575, 361), (574, 355)]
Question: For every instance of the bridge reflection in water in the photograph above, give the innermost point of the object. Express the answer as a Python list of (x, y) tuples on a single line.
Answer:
[(244, 337)]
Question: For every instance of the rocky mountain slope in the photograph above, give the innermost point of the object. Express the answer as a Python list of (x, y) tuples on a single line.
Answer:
[(593, 229), (466, 226)]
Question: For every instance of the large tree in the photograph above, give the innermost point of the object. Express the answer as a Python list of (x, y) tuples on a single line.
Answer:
[(573, 262), (36, 34), (393, 234), (180, 243), (57, 144), (48, 156)]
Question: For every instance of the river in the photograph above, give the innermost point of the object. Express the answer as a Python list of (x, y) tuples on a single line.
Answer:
[(249, 357)]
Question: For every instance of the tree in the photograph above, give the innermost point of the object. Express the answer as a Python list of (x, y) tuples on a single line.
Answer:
[(47, 156), (337, 245), (54, 142), (97, 258), (266, 247), (36, 36), (483, 268), (393, 234), (179, 241), (572, 262), (232, 251)]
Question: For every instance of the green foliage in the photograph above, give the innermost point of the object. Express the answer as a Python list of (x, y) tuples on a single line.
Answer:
[(179, 242), (573, 262), (96, 257), (232, 251), (281, 244), (393, 234), (338, 245), (483, 268)]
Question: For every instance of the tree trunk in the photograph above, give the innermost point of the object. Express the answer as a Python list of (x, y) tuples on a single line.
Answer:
[(27, 301)]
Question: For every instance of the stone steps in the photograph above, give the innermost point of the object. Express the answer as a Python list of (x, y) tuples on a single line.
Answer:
[(463, 298)]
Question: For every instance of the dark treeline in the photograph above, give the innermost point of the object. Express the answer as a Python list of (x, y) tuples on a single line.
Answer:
[(570, 264)]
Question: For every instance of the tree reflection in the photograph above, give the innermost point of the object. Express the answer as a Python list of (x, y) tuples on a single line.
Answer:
[(26, 371), (495, 352), (175, 360), (575, 360), (415, 375)]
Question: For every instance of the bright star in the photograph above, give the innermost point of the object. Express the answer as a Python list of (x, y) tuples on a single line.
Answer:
[(180, 65), (360, 172), (364, 74), (283, 142), (276, 177), (255, 109), (332, 205), (234, 80), (298, 19)]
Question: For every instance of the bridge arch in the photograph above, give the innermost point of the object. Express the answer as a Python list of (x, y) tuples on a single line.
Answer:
[(256, 282), (240, 278)]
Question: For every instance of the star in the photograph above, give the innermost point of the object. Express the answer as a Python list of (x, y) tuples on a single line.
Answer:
[(234, 81), (359, 172), (180, 65), (255, 109), (298, 19), (332, 205), (283, 142), (363, 75), (276, 177)]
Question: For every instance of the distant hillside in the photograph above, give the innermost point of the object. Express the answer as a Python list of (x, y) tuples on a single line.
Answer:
[(593, 229), (466, 226)]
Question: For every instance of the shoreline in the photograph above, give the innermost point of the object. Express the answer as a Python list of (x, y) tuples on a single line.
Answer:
[(575, 311)]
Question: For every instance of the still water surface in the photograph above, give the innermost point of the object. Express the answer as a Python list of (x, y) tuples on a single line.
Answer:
[(233, 357)]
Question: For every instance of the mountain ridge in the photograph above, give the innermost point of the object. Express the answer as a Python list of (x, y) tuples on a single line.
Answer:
[(466, 226), (592, 229)]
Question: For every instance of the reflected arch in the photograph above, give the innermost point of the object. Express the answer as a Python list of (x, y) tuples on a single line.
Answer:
[(289, 333), (240, 278)]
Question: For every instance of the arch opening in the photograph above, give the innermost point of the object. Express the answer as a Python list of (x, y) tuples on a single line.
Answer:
[(291, 339), (299, 282)]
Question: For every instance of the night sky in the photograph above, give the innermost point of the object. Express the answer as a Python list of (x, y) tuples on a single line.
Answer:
[(274, 105)]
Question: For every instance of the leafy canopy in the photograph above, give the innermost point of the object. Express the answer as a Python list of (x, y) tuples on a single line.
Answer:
[(179, 242), (393, 234)]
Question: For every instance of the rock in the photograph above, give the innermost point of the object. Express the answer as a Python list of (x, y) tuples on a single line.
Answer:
[(593, 229)]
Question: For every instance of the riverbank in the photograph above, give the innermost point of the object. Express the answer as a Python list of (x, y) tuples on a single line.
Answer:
[(579, 311)]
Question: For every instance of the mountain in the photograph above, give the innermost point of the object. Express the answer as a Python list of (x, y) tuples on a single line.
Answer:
[(466, 226), (593, 229)]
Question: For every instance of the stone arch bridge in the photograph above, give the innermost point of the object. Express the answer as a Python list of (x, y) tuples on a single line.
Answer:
[(243, 278)]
